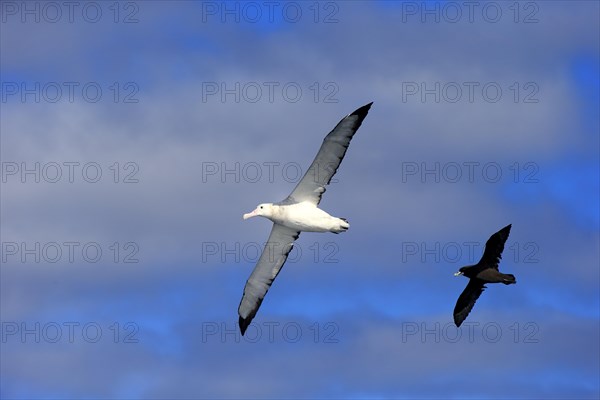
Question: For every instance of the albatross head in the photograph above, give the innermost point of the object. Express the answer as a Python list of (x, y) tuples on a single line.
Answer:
[(262, 210)]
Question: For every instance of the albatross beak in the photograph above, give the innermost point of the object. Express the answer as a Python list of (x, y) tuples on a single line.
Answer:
[(250, 215), (458, 273)]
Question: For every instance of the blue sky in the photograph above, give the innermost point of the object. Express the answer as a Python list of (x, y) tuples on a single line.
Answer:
[(133, 138)]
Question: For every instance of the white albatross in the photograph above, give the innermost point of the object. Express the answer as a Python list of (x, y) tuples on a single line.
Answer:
[(298, 213)]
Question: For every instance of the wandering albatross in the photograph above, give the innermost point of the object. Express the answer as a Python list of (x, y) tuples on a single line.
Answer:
[(299, 212), (485, 271)]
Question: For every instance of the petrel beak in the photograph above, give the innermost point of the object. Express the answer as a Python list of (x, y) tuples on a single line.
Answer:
[(250, 215), (458, 273)]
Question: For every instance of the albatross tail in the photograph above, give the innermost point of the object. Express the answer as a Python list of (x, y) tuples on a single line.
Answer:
[(343, 225)]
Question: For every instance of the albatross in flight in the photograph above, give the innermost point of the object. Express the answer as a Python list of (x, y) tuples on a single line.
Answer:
[(485, 271), (297, 213)]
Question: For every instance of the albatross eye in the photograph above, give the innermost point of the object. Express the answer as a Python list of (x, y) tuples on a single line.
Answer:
[(261, 207)]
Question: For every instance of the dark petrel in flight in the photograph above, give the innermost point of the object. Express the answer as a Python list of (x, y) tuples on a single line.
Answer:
[(485, 271)]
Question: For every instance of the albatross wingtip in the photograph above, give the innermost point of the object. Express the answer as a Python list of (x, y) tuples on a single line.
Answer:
[(244, 323), (362, 111)]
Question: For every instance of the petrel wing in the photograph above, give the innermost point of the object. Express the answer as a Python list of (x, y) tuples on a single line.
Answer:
[(494, 247), (467, 300)]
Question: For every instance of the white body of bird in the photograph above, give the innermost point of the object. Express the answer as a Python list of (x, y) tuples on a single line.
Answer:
[(303, 217)]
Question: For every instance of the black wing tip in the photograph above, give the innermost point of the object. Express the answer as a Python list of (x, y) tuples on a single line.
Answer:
[(460, 316), (504, 231), (462, 309), (244, 323), (458, 321), (500, 236), (363, 111)]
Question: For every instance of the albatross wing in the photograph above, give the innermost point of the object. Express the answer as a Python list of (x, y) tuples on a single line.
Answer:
[(328, 159), (273, 257)]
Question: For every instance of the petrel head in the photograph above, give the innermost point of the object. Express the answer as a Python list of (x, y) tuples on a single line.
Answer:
[(262, 210), (460, 272)]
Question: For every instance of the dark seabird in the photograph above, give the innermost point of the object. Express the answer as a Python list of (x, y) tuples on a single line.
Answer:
[(299, 212), (485, 271)]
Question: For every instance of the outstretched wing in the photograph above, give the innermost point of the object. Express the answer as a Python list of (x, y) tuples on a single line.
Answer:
[(273, 257), (467, 300), (328, 159), (494, 247)]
